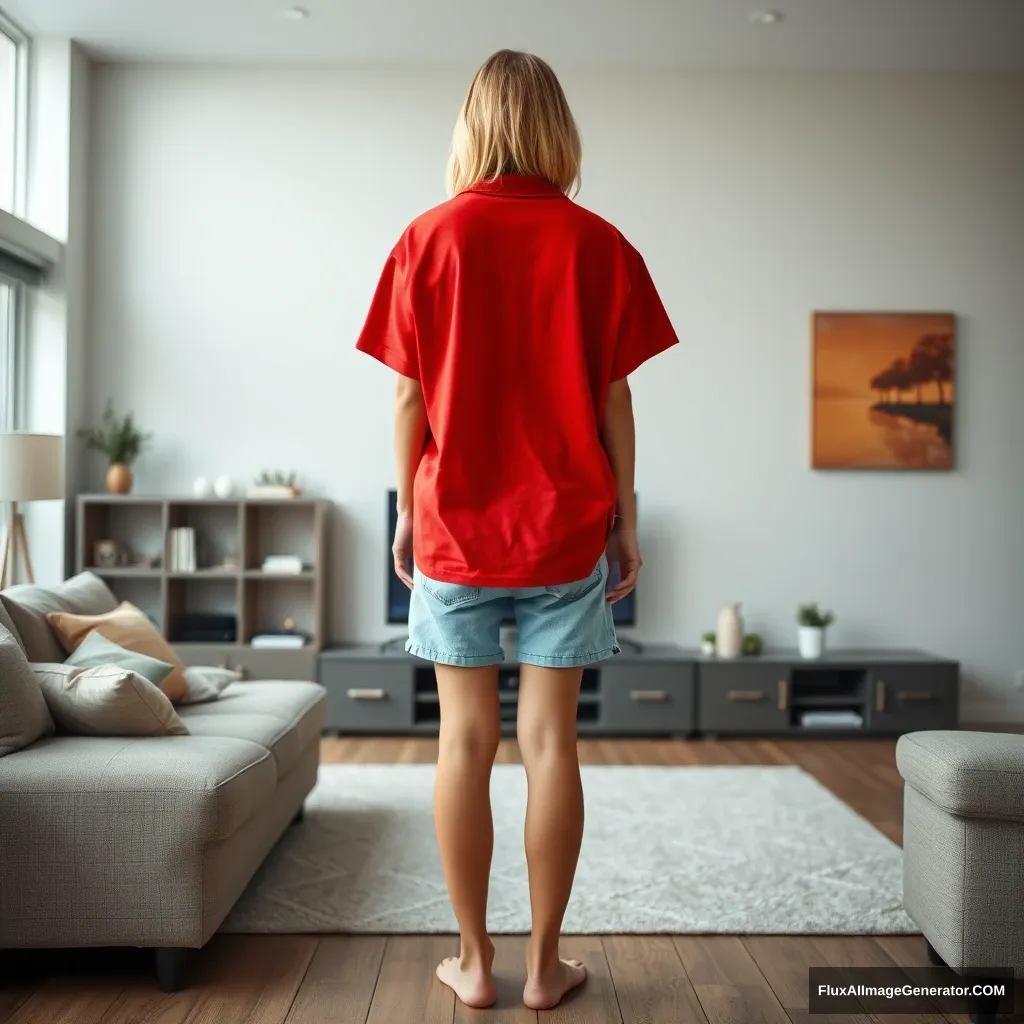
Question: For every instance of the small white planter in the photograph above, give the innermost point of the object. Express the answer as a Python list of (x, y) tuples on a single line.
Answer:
[(811, 641), (707, 648)]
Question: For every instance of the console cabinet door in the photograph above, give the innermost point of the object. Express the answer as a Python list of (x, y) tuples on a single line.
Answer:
[(734, 697), (648, 700), (905, 698)]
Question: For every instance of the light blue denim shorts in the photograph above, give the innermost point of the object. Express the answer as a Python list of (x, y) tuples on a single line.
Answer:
[(557, 627)]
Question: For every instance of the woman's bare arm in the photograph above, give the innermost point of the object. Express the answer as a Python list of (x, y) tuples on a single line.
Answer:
[(410, 437), (618, 435)]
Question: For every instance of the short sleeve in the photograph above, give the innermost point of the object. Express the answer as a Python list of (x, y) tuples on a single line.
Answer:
[(389, 333), (644, 327)]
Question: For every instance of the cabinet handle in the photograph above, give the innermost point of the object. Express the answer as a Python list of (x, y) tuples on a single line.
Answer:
[(783, 694), (356, 693), (880, 695), (648, 695), (745, 695), (915, 695)]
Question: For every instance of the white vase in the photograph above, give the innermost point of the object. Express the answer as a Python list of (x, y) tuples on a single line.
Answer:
[(201, 487), (729, 634), (223, 487), (811, 641)]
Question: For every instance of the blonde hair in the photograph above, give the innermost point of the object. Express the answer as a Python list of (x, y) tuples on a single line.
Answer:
[(515, 120)]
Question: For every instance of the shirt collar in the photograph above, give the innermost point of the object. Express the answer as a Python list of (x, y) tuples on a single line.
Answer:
[(517, 186)]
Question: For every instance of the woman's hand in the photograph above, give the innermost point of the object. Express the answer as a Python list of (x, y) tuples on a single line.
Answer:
[(623, 549), (401, 549)]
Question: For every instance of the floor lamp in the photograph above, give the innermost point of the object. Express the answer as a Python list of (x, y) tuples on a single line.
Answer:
[(31, 469)]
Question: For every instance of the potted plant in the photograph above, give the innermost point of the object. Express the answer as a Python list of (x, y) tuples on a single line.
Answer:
[(120, 440), (753, 645), (811, 636), (707, 644)]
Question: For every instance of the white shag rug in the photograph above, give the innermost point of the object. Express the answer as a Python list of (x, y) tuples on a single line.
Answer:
[(665, 850)]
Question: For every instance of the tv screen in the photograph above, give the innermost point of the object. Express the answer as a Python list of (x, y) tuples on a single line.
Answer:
[(623, 612)]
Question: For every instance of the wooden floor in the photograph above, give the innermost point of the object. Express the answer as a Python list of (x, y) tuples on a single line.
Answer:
[(389, 980)]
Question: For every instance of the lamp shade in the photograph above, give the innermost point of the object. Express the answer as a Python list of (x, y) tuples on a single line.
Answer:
[(31, 467)]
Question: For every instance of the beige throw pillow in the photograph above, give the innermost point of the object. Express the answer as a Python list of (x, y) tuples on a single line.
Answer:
[(106, 701), (128, 627), (23, 714)]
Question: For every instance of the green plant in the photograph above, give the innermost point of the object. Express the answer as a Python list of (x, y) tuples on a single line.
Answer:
[(811, 615), (752, 644), (708, 638), (117, 437), (276, 479)]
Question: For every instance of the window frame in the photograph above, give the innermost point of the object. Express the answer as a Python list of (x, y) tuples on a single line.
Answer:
[(22, 42), (14, 368)]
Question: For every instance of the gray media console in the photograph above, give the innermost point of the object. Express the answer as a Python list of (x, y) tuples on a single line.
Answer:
[(663, 690)]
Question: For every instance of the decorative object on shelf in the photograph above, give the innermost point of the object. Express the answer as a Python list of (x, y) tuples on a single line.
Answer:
[(288, 639), (31, 469), (729, 635), (752, 645), (275, 485), (707, 644), (883, 391), (201, 487), (224, 487), (181, 549), (110, 554), (811, 636), (121, 441), (283, 565)]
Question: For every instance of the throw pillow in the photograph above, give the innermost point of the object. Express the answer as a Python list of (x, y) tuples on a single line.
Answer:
[(23, 714), (27, 605), (96, 650), (206, 682), (128, 627), (106, 700)]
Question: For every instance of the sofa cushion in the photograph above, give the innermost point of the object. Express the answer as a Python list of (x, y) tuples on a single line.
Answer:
[(970, 774), (24, 717), (106, 700), (8, 623), (138, 787), (27, 605), (284, 717), (128, 627)]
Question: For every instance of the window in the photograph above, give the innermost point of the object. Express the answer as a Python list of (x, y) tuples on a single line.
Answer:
[(13, 115), (11, 361)]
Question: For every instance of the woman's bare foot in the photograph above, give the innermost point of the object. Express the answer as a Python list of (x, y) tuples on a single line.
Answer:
[(542, 993), (473, 984)]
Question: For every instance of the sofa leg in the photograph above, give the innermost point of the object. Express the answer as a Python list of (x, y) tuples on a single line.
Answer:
[(933, 955), (171, 963), (299, 814), (983, 1009)]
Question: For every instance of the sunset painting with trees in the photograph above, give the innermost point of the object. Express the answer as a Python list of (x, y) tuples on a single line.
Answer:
[(883, 391)]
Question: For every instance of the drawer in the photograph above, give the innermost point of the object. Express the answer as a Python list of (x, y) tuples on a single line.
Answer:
[(647, 700), (906, 698), (365, 696), (734, 697)]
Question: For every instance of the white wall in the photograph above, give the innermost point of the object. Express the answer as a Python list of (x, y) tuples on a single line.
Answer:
[(242, 216)]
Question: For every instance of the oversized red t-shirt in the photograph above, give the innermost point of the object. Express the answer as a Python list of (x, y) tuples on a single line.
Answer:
[(515, 309)]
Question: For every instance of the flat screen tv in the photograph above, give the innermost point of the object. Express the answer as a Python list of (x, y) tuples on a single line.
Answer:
[(623, 612)]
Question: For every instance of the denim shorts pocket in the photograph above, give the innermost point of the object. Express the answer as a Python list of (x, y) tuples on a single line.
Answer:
[(451, 595), (574, 591)]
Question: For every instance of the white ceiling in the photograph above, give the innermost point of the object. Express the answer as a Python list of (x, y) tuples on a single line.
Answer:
[(815, 34)]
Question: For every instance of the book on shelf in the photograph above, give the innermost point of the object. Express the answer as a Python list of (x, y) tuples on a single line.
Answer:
[(181, 549), (283, 564), (280, 641)]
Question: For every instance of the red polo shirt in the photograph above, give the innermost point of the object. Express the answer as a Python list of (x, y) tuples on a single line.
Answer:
[(515, 309)]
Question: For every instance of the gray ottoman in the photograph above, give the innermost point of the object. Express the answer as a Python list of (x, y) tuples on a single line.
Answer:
[(963, 846)]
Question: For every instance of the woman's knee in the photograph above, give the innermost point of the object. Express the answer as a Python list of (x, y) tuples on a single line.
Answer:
[(470, 739), (540, 737)]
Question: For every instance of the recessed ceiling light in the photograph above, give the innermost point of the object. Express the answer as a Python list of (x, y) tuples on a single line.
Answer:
[(766, 17), (296, 13)]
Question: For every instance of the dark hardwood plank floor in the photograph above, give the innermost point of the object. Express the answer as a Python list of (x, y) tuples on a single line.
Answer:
[(693, 979)]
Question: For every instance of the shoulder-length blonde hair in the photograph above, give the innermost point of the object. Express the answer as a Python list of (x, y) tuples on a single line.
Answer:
[(515, 120)]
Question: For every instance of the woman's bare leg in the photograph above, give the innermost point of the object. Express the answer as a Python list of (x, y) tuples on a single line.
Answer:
[(469, 734), (546, 729)]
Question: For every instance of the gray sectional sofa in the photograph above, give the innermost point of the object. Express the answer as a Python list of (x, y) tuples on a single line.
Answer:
[(143, 842)]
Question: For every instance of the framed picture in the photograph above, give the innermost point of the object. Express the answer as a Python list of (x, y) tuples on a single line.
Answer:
[(883, 390)]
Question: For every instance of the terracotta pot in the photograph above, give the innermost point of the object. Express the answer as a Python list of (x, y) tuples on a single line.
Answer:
[(119, 478)]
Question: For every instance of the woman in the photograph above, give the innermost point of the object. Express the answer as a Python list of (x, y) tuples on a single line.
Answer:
[(513, 318)]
